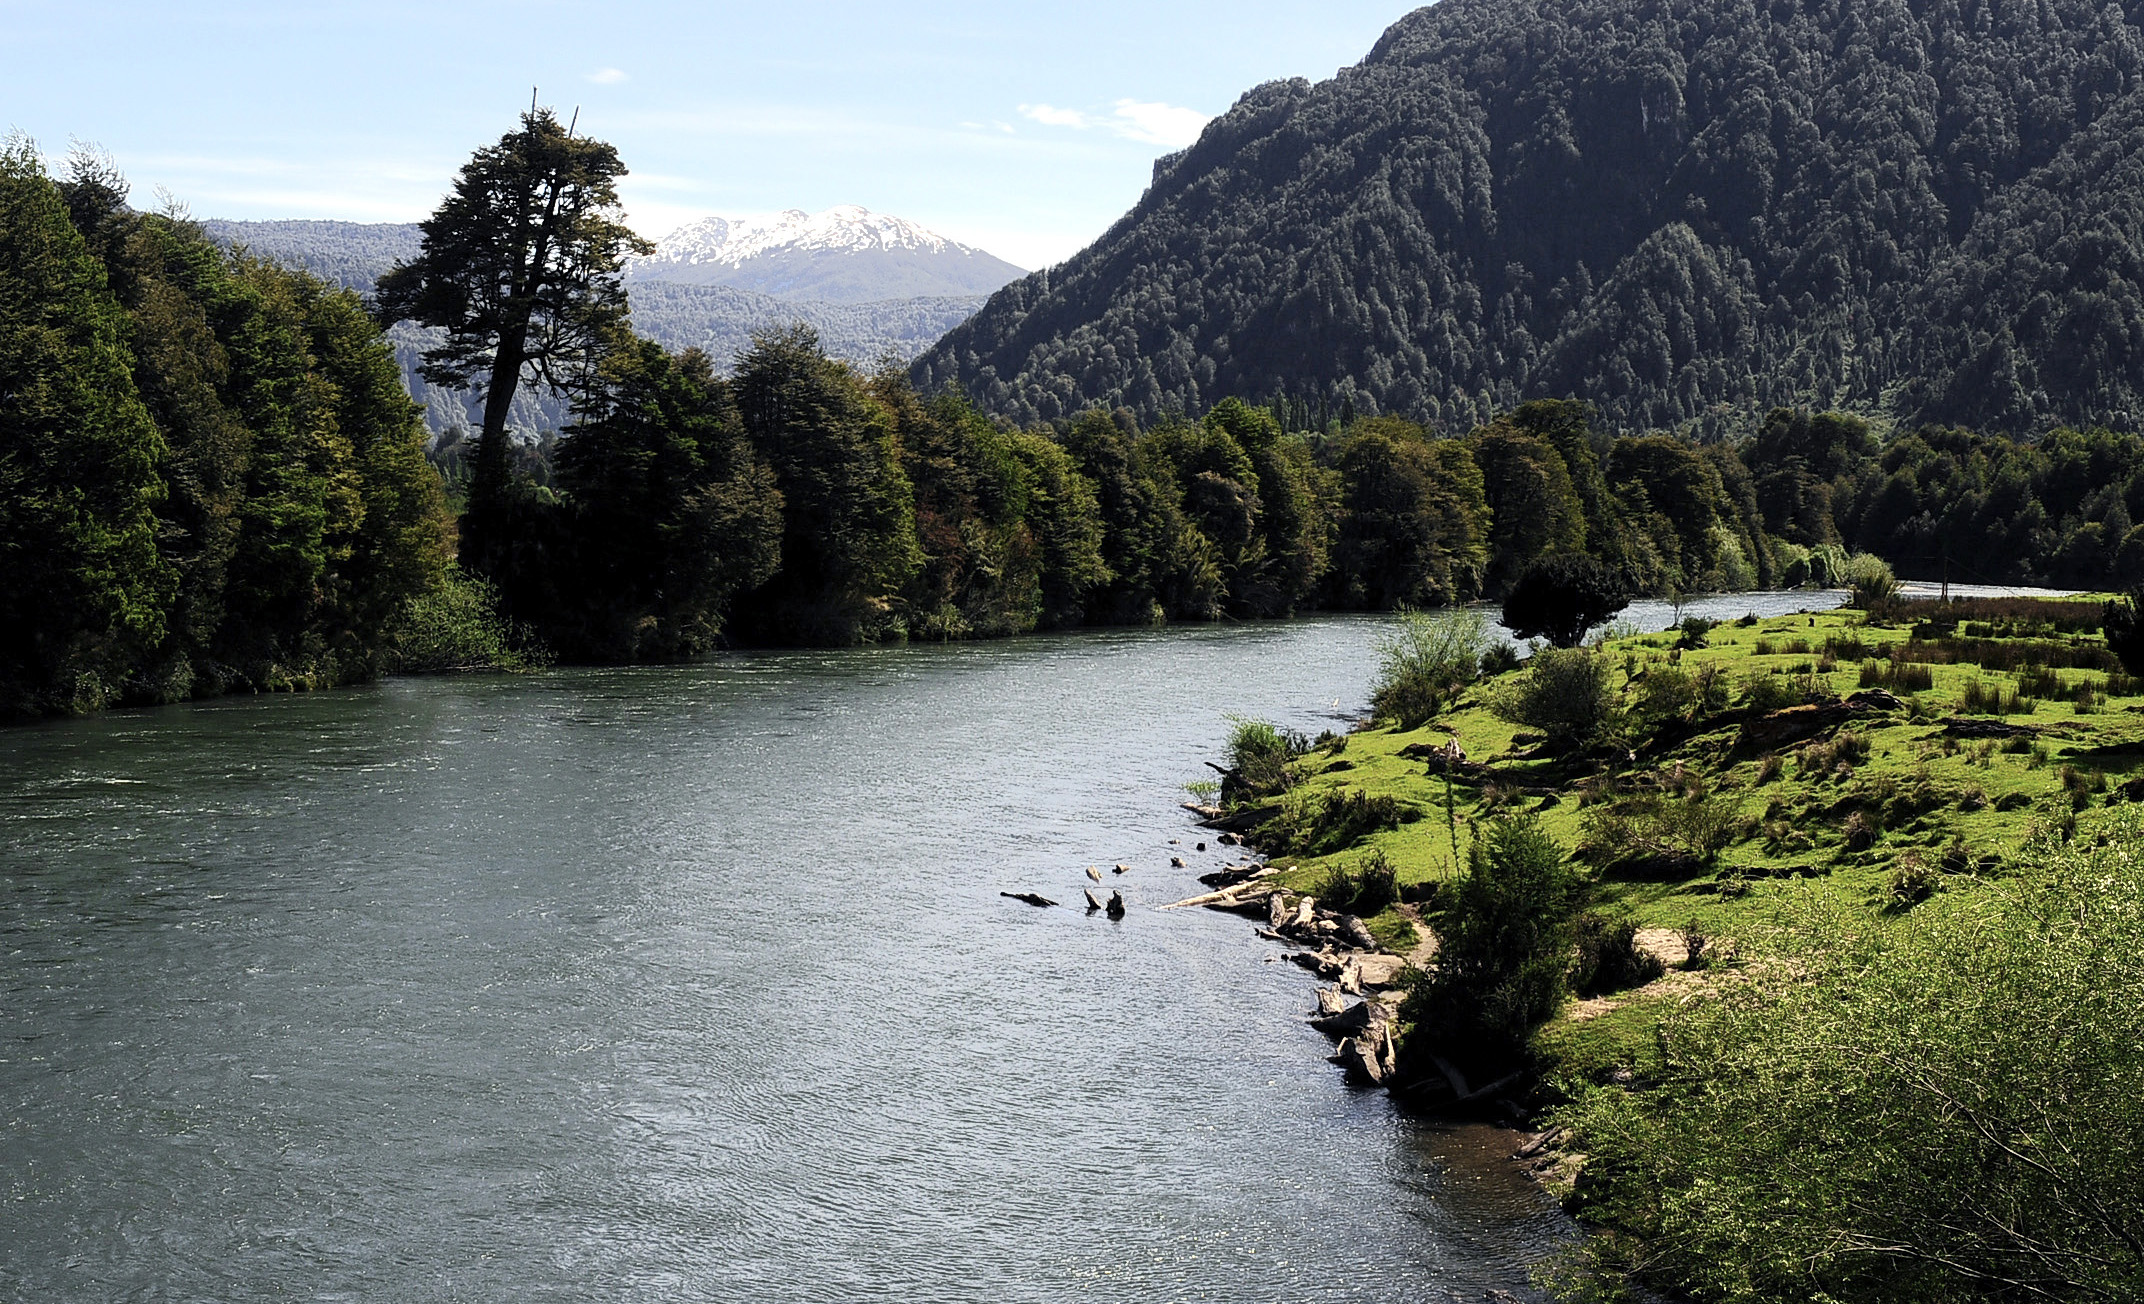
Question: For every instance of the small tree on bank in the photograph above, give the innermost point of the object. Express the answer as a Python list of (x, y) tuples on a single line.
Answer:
[(1560, 598)]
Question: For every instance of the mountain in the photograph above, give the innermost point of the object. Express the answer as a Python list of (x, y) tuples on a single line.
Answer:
[(717, 318), (1684, 211), (843, 255)]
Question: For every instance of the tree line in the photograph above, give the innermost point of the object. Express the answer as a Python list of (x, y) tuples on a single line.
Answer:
[(211, 476), (213, 479)]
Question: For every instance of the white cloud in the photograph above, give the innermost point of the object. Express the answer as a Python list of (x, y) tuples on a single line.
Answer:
[(1054, 117), (1168, 125), (608, 76), (1157, 124)]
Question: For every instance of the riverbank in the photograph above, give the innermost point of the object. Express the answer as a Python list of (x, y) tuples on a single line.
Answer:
[(1746, 770)]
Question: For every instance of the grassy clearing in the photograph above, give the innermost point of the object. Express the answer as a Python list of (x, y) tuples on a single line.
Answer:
[(1697, 809)]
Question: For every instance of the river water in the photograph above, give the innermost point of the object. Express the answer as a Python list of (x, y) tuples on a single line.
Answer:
[(694, 984)]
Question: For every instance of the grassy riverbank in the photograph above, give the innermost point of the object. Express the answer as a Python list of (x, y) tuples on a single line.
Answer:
[(1891, 777)]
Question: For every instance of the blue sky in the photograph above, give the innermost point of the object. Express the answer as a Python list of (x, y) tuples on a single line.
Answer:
[(1023, 128)]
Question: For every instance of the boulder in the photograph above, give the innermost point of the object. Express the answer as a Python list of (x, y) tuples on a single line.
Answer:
[(1379, 970), (1094, 873), (1116, 905), (1330, 1001), (1122, 869), (1029, 897), (1780, 728), (1278, 911), (1176, 862), (1357, 932), (1360, 1018), (1094, 902), (1364, 1061)]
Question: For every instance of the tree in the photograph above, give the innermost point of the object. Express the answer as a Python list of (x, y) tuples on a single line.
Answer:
[(1560, 598), (520, 266), (2125, 630), (81, 580)]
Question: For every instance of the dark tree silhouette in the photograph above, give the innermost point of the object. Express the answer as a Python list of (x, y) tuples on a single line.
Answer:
[(1560, 598)]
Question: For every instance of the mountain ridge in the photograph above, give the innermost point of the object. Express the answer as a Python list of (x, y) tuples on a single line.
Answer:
[(1684, 212)]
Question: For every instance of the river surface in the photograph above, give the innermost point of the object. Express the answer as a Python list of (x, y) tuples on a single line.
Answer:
[(694, 984)]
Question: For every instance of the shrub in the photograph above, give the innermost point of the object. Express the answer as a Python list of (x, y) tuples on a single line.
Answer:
[(1695, 630), (2125, 631), (1319, 824), (1564, 693), (1505, 927), (1861, 831), (1929, 1111), (1424, 663), (1259, 759), (1871, 582), (1913, 880), (1369, 889), (456, 628), (1609, 957), (1500, 657), (1981, 698)]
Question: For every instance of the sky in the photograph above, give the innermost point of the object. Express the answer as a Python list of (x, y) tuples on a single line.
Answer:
[(1022, 128)]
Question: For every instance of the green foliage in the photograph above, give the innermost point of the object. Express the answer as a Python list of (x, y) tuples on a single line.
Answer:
[(1370, 888), (2125, 631), (521, 267), (1425, 661), (1882, 1113), (215, 478), (1259, 759), (455, 628), (1565, 693), (1560, 598), (80, 575), (1505, 929), (1609, 958), (1870, 581)]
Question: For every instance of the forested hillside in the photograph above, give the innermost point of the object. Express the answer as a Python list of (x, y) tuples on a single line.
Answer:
[(1683, 211)]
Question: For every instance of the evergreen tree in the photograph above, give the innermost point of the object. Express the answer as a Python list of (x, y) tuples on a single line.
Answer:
[(521, 268)]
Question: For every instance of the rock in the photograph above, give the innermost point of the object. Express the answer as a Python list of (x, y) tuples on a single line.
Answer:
[(1094, 902), (1201, 847), (1875, 699), (1967, 727), (1307, 960), (1769, 732), (1229, 840), (1116, 905), (1176, 862), (1351, 979), (1094, 873), (1378, 970), (1121, 869), (1353, 1020), (1325, 928), (1278, 911), (1207, 813), (1306, 913), (1364, 1060), (1331, 1001), (1029, 897), (1357, 932)]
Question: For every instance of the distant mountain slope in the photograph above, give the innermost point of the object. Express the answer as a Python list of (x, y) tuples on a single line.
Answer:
[(349, 254), (1682, 210), (717, 319), (843, 255)]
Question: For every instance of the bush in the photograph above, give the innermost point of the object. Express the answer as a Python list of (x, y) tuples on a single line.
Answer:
[(1425, 661), (1695, 630), (1506, 931), (1921, 1112), (1259, 757), (1319, 824), (456, 628), (1500, 657), (2125, 632), (1564, 693), (1371, 888), (1870, 579), (1609, 957)]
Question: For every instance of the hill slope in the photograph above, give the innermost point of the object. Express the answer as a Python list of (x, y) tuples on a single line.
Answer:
[(1682, 210)]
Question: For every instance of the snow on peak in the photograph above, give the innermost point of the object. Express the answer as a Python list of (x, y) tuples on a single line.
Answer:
[(731, 241)]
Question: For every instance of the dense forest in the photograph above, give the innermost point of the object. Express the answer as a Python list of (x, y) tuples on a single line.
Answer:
[(1688, 212), (211, 478)]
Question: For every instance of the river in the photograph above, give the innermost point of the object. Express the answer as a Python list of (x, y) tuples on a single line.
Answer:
[(694, 984)]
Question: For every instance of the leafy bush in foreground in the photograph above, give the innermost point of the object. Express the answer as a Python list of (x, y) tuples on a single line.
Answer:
[(1946, 1108), (1564, 693)]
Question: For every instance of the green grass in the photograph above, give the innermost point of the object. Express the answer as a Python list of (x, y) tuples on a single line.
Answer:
[(1918, 789)]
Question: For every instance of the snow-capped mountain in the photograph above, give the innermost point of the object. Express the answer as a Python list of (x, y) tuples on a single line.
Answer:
[(845, 255)]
